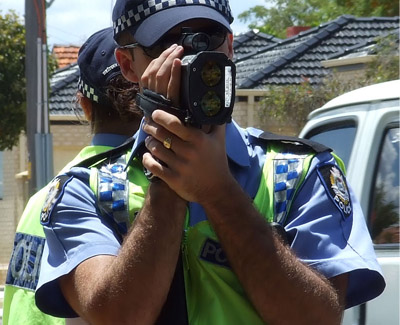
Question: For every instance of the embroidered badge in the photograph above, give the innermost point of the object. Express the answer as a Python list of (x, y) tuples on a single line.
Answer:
[(336, 186), (23, 270), (55, 189)]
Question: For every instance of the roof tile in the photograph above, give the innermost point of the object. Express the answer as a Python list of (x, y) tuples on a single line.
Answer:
[(302, 54), (65, 55)]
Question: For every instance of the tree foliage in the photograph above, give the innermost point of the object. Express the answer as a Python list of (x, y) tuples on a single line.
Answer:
[(12, 79), (277, 15), (385, 64), (370, 8), (295, 102)]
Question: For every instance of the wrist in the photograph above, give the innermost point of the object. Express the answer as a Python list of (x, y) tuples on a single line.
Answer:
[(161, 194), (223, 195)]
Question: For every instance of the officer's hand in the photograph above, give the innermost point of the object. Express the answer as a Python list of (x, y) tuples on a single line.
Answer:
[(195, 166), (163, 75)]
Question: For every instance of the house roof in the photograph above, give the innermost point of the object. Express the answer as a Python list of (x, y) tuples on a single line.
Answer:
[(262, 59), (63, 85), (369, 47), (64, 81), (292, 59), (250, 42), (65, 55)]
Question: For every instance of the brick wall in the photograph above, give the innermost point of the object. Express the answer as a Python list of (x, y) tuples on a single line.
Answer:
[(68, 140), (247, 114), (70, 134), (8, 208)]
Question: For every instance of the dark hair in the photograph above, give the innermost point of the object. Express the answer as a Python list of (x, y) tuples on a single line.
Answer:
[(124, 38), (121, 94)]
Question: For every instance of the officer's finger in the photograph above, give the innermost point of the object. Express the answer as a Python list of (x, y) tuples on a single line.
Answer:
[(158, 160), (174, 125), (166, 138), (152, 164), (159, 70), (174, 85), (168, 70), (147, 78)]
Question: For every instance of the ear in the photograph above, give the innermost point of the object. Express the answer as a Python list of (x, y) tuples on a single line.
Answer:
[(87, 107), (230, 45), (125, 60)]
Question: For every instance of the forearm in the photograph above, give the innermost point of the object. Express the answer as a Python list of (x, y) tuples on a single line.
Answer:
[(270, 274), (135, 284)]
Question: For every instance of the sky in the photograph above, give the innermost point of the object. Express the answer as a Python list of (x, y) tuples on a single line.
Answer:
[(71, 22)]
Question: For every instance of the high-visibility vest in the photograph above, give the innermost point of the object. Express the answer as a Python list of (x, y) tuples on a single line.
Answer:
[(23, 272), (212, 291)]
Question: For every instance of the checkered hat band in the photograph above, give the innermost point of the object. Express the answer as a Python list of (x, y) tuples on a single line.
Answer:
[(150, 7), (88, 91)]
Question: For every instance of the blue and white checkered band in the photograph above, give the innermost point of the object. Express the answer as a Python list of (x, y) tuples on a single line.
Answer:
[(88, 91), (149, 7), (287, 171), (113, 191)]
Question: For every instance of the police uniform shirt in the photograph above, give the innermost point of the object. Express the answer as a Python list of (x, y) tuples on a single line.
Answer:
[(321, 236)]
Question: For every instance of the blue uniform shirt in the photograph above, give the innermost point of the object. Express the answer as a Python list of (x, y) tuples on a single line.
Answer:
[(108, 139), (321, 236)]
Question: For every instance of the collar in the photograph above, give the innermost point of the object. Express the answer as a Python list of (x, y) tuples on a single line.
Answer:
[(108, 139), (236, 144)]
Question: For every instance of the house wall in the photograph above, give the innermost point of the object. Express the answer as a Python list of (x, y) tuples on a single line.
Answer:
[(68, 139), (10, 206), (246, 109), (247, 113)]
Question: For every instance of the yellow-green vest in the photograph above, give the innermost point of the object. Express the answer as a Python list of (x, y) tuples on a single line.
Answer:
[(213, 292), (19, 306)]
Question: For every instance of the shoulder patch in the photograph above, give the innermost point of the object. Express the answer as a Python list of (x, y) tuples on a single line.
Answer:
[(56, 188), (24, 267), (336, 187)]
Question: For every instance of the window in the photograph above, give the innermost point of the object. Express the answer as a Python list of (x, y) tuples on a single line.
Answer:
[(339, 137), (1, 176), (384, 211), (241, 99)]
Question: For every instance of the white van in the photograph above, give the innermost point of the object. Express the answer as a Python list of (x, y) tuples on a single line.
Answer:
[(362, 127)]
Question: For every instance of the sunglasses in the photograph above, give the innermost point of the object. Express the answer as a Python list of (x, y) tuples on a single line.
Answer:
[(192, 42)]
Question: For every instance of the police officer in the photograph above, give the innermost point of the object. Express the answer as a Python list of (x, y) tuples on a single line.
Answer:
[(107, 100), (213, 194)]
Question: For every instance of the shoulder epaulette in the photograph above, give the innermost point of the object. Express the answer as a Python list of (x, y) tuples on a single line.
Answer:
[(299, 143)]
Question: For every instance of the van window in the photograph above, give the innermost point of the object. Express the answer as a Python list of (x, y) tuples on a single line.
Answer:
[(339, 137), (384, 212)]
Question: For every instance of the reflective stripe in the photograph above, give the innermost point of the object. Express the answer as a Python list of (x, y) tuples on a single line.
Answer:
[(287, 171), (24, 267), (112, 193)]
